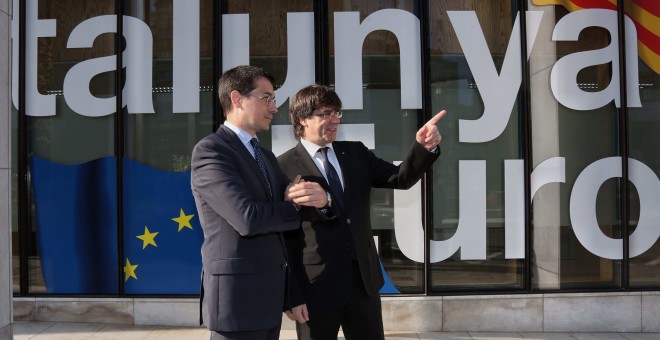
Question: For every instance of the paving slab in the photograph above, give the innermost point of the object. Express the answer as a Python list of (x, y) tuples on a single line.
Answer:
[(32, 330)]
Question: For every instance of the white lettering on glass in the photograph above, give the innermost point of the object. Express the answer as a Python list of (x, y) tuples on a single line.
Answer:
[(235, 40), (36, 104), (349, 38), (137, 59), (185, 56), (470, 235), (564, 74), (408, 227), (300, 57), (514, 209), (498, 91), (300, 45), (583, 208)]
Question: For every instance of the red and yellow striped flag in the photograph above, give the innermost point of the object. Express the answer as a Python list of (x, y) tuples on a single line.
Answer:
[(644, 13)]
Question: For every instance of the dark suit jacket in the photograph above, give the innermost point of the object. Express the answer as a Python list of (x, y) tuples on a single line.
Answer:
[(243, 255), (321, 251)]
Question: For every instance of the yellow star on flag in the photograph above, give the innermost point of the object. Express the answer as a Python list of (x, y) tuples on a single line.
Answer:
[(147, 238), (183, 220), (129, 270)]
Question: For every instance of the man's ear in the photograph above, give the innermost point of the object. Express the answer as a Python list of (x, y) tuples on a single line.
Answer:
[(302, 121), (236, 99)]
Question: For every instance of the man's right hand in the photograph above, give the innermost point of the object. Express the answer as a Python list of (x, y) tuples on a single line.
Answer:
[(309, 194), (298, 313)]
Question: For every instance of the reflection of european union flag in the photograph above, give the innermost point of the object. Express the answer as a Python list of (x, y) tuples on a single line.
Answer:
[(388, 287), (162, 236), (76, 225)]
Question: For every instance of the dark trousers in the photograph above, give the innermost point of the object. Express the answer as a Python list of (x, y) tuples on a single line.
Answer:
[(268, 334), (360, 318)]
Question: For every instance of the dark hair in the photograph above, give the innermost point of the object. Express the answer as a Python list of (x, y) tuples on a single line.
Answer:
[(309, 99), (242, 79)]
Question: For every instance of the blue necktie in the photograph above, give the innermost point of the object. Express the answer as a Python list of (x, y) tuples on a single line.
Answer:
[(259, 157), (333, 177)]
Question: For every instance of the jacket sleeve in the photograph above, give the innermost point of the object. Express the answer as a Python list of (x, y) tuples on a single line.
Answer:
[(406, 174), (223, 180)]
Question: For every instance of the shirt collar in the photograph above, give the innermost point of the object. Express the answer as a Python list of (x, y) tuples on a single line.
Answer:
[(312, 148), (242, 134)]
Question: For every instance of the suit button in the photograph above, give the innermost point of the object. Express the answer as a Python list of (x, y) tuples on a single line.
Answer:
[(348, 220), (284, 266)]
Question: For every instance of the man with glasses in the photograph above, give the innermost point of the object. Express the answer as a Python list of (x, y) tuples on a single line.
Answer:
[(335, 260), (244, 203)]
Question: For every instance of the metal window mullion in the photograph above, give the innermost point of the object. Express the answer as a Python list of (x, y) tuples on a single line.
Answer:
[(119, 139), (322, 41), (220, 7), (525, 145), (422, 7), (22, 161), (624, 201)]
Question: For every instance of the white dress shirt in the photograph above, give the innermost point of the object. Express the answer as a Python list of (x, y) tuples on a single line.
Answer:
[(313, 149)]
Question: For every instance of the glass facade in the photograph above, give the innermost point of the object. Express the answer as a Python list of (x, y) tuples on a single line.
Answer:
[(468, 226), (560, 260), (547, 180), (641, 120), (381, 123), (59, 138)]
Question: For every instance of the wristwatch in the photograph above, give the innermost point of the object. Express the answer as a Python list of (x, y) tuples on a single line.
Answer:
[(327, 195)]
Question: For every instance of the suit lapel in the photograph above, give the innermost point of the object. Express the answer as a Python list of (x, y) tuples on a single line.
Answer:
[(305, 162), (308, 166), (235, 143)]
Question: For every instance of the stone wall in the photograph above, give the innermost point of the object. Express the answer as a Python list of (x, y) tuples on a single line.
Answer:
[(5, 171), (634, 312)]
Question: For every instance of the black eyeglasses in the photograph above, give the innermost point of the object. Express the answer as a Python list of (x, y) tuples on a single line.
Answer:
[(327, 114), (268, 98)]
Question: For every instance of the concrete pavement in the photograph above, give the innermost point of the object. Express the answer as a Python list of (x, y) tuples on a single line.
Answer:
[(96, 331)]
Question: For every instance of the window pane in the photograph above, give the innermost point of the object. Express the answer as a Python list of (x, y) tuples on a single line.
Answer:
[(382, 124), (643, 124), (574, 134), (178, 113), (162, 235), (468, 238), (272, 30), (70, 104)]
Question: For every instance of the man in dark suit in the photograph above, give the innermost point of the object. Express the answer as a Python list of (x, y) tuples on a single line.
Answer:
[(335, 260), (244, 203)]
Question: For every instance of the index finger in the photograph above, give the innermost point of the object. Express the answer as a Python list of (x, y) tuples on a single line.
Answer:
[(297, 179), (436, 118)]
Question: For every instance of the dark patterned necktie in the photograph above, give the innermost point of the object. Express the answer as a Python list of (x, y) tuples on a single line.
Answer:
[(259, 157), (333, 177), (337, 190)]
